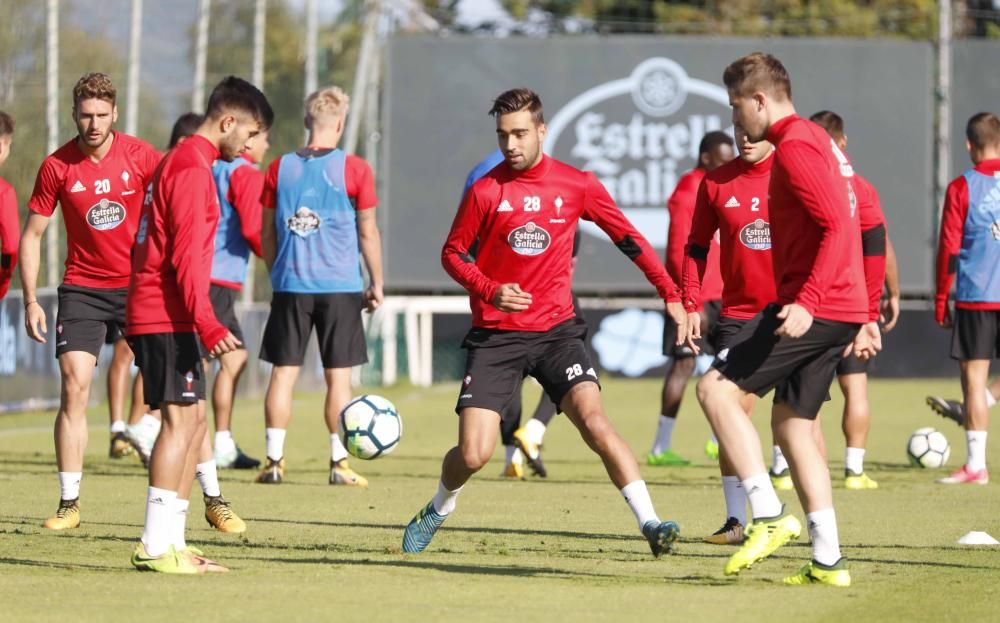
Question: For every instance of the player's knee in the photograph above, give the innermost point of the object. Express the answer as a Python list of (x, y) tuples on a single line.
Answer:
[(475, 457), (595, 427)]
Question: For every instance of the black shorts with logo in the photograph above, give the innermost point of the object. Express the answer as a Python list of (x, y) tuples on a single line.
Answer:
[(709, 316), (171, 367), (339, 330), (224, 304), (799, 370), (87, 317), (497, 361), (976, 334)]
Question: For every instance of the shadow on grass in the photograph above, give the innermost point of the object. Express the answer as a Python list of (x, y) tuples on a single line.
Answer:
[(65, 566)]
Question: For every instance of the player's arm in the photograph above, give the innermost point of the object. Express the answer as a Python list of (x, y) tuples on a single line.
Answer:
[(703, 227), (41, 205), (370, 241), (190, 235), (245, 189), (10, 237), (269, 203), (456, 251), (956, 207), (890, 306)]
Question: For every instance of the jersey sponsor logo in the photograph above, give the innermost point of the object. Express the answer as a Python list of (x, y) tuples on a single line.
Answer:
[(304, 223), (756, 235), (78, 187), (733, 202), (106, 214), (505, 206), (529, 239)]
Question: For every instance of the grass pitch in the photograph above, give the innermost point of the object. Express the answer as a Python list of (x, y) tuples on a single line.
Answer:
[(561, 549)]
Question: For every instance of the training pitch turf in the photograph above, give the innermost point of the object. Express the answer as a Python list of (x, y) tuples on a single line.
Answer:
[(561, 549)]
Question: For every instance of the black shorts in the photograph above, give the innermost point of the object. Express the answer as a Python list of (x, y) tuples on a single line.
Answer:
[(721, 335), (224, 304), (497, 361), (709, 316), (852, 365), (799, 370), (339, 331), (976, 334), (87, 317), (171, 367)]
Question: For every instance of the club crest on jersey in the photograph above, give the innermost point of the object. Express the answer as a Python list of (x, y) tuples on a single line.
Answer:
[(304, 223), (529, 239), (756, 235), (106, 214)]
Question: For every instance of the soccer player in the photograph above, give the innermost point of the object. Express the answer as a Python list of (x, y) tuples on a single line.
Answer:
[(733, 201), (715, 149), (968, 248), (319, 222), (169, 310), (239, 185), (794, 344), (98, 180), (524, 213), (10, 222)]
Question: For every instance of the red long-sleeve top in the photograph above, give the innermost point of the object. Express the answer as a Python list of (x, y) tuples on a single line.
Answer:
[(10, 235), (681, 206)]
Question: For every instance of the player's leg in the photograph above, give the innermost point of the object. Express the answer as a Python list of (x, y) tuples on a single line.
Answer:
[(338, 394), (218, 511), (732, 530), (529, 437), (679, 371), (277, 417), (856, 423), (231, 365), (510, 422), (118, 388)]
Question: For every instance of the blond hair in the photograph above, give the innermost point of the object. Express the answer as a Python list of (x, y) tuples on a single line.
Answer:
[(758, 72), (329, 101)]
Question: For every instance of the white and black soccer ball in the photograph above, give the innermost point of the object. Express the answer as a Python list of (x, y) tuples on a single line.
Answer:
[(371, 426), (928, 448)]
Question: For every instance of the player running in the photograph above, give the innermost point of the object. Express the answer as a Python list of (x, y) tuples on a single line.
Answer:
[(733, 201), (319, 222), (169, 310), (98, 180), (968, 249), (524, 213), (715, 149), (794, 344), (10, 221)]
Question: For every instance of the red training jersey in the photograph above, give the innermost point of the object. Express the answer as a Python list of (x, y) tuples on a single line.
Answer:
[(358, 179), (172, 261), (246, 187), (100, 202), (733, 201), (681, 208), (953, 217), (525, 222), (10, 234), (816, 238), (873, 241)]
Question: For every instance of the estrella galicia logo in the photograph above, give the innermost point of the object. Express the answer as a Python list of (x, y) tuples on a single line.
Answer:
[(756, 235), (529, 239), (304, 223), (106, 214)]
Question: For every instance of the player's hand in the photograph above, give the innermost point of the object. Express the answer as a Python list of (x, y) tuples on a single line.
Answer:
[(373, 298), (510, 298), (867, 342), (679, 316), (226, 345), (945, 316), (796, 321), (693, 331), (34, 322), (890, 313)]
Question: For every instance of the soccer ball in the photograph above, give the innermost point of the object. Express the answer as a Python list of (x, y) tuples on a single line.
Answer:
[(372, 426), (928, 447)]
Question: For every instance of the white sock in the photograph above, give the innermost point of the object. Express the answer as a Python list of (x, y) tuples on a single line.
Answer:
[(736, 499), (760, 493), (208, 478), (224, 441), (118, 426), (157, 534), (179, 524), (778, 462), (637, 496), (976, 442), (824, 537), (512, 454), (337, 450), (150, 422), (69, 485), (535, 430), (854, 460), (990, 400), (664, 432), (274, 439), (444, 501), (714, 439)]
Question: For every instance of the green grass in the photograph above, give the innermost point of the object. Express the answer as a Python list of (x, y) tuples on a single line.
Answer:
[(562, 549)]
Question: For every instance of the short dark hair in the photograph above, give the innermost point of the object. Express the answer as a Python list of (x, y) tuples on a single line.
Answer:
[(6, 124), (237, 94), (185, 126), (95, 85), (757, 72), (831, 122), (713, 139), (983, 130), (516, 100)]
